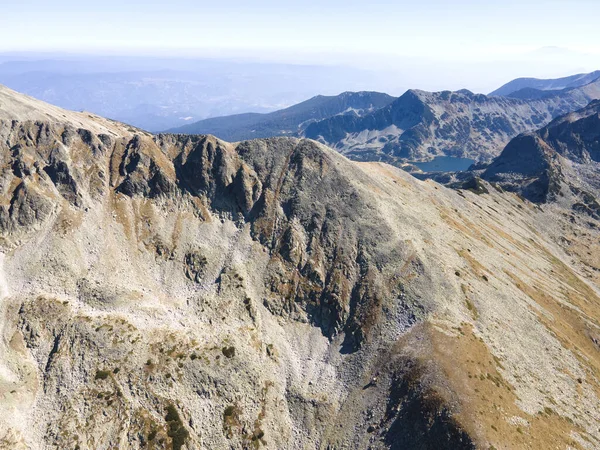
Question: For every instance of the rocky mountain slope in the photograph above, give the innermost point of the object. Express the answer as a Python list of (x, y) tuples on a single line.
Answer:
[(573, 81), (420, 125), (291, 121), (560, 162), (181, 292)]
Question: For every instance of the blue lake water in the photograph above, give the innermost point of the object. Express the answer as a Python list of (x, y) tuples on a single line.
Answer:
[(445, 164)]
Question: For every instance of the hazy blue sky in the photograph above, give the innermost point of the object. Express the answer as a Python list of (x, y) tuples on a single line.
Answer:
[(437, 28), (433, 35)]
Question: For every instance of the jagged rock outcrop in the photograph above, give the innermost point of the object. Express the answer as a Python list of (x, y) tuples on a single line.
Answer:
[(182, 292), (529, 166)]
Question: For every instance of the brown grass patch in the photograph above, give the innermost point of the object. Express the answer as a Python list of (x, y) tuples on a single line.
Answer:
[(488, 402), (475, 265)]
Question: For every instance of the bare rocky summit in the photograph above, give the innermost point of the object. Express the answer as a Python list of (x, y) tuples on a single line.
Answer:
[(181, 292), (559, 162)]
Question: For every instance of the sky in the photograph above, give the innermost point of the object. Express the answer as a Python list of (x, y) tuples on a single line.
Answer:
[(474, 44)]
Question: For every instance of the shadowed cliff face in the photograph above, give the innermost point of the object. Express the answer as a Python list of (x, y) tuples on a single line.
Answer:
[(179, 292), (315, 225), (324, 248), (527, 165), (576, 136)]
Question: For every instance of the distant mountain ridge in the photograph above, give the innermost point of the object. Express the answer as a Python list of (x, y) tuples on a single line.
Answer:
[(420, 125), (158, 93), (289, 121), (513, 87)]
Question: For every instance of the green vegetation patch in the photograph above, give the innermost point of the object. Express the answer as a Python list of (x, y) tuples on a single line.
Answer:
[(102, 374), (229, 352), (231, 420), (176, 431), (472, 308)]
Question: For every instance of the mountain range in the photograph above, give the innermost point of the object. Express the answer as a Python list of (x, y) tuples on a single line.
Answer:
[(417, 126), (420, 125), (291, 121), (557, 164), (177, 291)]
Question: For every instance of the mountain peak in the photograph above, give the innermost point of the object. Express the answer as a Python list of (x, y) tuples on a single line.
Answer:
[(560, 159)]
